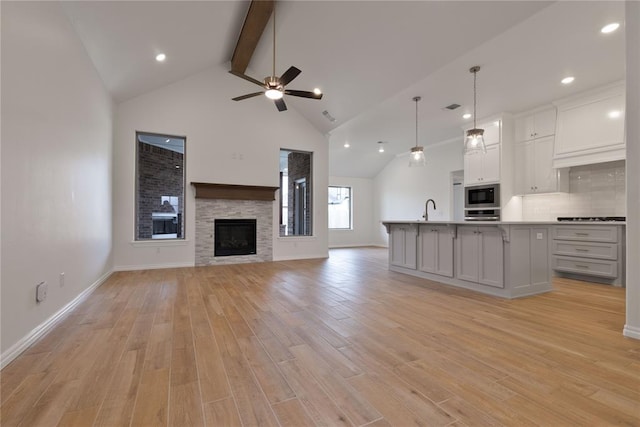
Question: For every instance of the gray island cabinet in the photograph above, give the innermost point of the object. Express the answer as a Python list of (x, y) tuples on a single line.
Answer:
[(503, 259)]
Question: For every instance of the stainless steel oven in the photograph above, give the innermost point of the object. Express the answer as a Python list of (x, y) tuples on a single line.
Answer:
[(482, 197), (482, 215)]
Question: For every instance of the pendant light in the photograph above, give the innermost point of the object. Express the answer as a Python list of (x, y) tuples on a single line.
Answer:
[(416, 155), (474, 141)]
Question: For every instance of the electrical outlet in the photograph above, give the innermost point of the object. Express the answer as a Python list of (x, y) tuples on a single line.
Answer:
[(62, 279), (41, 292), (539, 236)]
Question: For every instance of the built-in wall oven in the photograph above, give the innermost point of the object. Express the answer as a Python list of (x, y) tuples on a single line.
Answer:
[(482, 203)]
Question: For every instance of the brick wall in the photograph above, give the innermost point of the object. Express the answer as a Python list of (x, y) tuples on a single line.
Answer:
[(299, 167), (157, 177)]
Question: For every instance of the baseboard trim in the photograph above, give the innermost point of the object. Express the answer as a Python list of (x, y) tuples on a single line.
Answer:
[(361, 245), (153, 266), (631, 332), (40, 330)]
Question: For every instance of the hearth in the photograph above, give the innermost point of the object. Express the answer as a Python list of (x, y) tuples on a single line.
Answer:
[(234, 237)]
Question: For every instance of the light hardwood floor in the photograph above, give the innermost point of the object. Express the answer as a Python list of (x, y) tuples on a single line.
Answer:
[(330, 342)]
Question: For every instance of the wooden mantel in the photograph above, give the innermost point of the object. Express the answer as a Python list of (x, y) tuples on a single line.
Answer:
[(234, 192)]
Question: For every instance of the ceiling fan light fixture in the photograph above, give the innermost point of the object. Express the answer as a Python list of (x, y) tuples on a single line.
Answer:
[(474, 140), (274, 94), (416, 155)]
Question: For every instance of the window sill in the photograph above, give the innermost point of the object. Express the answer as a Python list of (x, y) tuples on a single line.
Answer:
[(159, 242), (297, 238)]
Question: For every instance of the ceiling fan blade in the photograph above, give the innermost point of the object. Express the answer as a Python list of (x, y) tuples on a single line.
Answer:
[(249, 95), (247, 78), (280, 104), (289, 75), (303, 94), (254, 24)]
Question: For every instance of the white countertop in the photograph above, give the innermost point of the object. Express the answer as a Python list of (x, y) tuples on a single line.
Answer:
[(505, 222)]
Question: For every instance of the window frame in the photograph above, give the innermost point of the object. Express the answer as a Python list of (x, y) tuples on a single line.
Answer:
[(166, 241), (350, 227), (309, 188)]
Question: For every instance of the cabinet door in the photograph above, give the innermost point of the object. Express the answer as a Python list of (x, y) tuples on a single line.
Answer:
[(403, 246), (523, 152), (491, 260), (491, 164), (524, 128), (467, 253), (545, 123), (428, 242), (444, 259), (473, 169), (545, 177)]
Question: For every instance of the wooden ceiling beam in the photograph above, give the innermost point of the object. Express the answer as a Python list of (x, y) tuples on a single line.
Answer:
[(254, 24)]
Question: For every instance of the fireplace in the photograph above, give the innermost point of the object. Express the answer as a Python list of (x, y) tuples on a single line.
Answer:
[(234, 237)]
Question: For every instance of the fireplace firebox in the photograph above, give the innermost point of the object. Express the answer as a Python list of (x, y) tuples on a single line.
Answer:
[(234, 237)]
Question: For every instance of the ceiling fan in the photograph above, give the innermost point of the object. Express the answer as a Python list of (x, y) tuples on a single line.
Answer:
[(274, 86)]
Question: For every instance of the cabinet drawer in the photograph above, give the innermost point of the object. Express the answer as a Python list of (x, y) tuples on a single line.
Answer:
[(586, 266), (586, 249), (593, 233)]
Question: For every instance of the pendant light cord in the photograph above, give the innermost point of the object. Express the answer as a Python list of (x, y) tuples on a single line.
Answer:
[(474, 70), (416, 99)]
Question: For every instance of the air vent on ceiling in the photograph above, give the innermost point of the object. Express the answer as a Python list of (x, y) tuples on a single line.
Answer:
[(328, 116), (452, 107)]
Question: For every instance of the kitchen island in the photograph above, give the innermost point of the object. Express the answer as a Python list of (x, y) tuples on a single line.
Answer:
[(505, 259)]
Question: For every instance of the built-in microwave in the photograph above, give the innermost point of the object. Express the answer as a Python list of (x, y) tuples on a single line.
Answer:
[(482, 197)]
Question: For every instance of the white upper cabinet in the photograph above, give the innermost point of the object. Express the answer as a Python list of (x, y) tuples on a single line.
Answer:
[(485, 168), (533, 170), (482, 168), (590, 128), (536, 125)]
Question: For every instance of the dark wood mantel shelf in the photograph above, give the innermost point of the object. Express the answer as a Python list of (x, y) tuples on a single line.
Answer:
[(234, 192)]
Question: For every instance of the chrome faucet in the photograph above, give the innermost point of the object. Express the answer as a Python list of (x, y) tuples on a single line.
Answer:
[(426, 209)]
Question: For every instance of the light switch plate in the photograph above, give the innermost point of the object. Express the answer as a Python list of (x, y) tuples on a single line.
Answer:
[(539, 236)]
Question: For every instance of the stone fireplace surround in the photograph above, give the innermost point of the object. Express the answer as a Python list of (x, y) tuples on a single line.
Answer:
[(224, 201)]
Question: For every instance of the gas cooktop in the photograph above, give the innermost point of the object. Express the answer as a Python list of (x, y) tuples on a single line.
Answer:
[(592, 218)]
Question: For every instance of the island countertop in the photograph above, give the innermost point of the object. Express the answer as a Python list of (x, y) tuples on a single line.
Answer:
[(419, 221)]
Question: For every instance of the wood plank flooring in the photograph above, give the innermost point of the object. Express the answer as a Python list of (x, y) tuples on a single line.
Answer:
[(337, 342)]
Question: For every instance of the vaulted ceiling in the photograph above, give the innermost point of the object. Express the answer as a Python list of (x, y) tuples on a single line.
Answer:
[(369, 57)]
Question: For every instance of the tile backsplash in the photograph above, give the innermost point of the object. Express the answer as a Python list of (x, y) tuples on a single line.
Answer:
[(594, 190)]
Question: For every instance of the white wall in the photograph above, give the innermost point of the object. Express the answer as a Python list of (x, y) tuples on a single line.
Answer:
[(632, 23), (56, 168), (400, 191), (362, 213), (227, 142)]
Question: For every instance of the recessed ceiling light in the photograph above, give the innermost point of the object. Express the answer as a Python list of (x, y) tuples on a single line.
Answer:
[(347, 145), (610, 28), (466, 116), (161, 57), (567, 80), (614, 114), (380, 147)]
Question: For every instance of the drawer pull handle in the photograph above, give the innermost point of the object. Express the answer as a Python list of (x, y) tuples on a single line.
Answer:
[(582, 234), (582, 266), (582, 250)]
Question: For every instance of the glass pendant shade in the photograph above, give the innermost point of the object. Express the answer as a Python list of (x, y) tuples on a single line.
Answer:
[(474, 142), (474, 139), (416, 156)]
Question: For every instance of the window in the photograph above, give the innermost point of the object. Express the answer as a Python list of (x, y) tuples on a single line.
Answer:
[(340, 208), (160, 182), (295, 193)]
